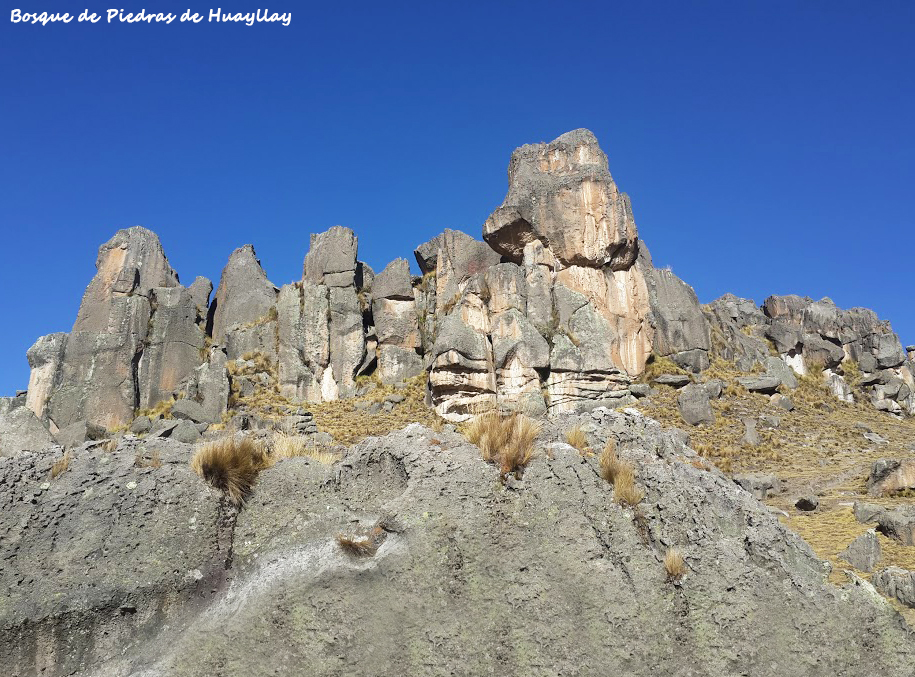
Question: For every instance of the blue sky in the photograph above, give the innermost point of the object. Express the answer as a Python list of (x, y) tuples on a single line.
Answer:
[(768, 147)]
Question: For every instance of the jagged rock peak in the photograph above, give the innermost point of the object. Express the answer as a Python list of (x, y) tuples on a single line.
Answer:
[(562, 194), (244, 294)]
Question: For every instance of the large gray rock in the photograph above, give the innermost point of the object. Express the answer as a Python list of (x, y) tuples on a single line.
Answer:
[(45, 358), (174, 345), (681, 331), (200, 291), (396, 323), (244, 296), (896, 583), (331, 258), (304, 341), (98, 375), (77, 433), (776, 368), (898, 524), (459, 258), (209, 385), (693, 403), (888, 476), (864, 552), (562, 194), (104, 554), (21, 430), (194, 589)]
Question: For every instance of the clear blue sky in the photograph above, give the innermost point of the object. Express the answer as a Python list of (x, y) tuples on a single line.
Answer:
[(768, 147)]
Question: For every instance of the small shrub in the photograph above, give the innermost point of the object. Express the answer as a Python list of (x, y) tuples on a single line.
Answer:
[(674, 564), (624, 487), (60, 465), (610, 463), (576, 437), (230, 464)]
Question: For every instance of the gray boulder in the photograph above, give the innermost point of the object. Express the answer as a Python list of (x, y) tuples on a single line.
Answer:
[(190, 411), (45, 358), (750, 435), (898, 524), (694, 406), (672, 380), (21, 430), (760, 384), (864, 551), (77, 433), (331, 258), (776, 368), (887, 476), (186, 431), (896, 583), (200, 291), (760, 485)]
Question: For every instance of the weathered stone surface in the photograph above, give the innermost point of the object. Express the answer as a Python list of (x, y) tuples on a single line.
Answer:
[(888, 476), (681, 331), (867, 513), (760, 384), (174, 345), (258, 337), (103, 555), (186, 432), (462, 379), (200, 291), (750, 435), (141, 425), (562, 194), (864, 552), (304, 340), (427, 255), (77, 433), (209, 385), (694, 406), (898, 524), (44, 358), (394, 282), (347, 339), (244, 296), (807, 503), (760, 485), (672, 380), (729, 317), (98, 377), (21, 430), (332, 253), (189, 410), (782, 402), (195, 590), (776, 368), (897, 583), (459, 258)]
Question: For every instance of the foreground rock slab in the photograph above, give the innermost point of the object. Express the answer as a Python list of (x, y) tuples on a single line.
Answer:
[(469, 574)]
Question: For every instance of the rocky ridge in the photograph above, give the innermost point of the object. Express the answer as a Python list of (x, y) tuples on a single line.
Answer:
[(558, 309)]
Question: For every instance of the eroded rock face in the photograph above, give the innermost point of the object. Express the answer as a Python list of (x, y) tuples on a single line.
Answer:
[(99, 378), (816, 337), (562, 194), (21, 430), (196, 590), (174, 345), (396, 323), (44, 358), (245, 295)]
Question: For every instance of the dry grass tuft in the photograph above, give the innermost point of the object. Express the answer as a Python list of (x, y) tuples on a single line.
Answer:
[(674, 564), (284, 445), (60, 465), (507, 440), (162, 409), (576, 437), (610, 463), (360, 546), (230, 464), (624, 487), (657, 365), (108, 445)]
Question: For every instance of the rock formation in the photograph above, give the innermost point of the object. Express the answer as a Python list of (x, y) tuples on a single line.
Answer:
[(556, 310)]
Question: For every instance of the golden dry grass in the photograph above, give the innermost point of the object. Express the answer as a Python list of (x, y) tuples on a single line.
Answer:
[(359, 546), (162, 409), (625, 489), (230, 464), (60, 465), (284, 445), (657, 365), (674, 564), (504, 439), (610, 463), (108, 445), (575, 437)]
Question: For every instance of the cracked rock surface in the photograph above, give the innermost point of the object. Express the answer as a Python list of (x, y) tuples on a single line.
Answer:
[(546, 575)]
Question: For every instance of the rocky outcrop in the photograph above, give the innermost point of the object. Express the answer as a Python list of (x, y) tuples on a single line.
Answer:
[(816, 337), (174, 344), (99, 372), (45, 358), (153, 560), (396, 323)]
